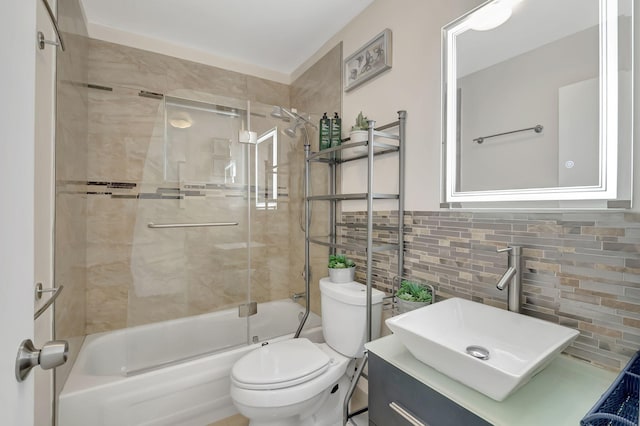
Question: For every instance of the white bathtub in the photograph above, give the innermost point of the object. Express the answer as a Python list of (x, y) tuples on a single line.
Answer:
[(170, 373)]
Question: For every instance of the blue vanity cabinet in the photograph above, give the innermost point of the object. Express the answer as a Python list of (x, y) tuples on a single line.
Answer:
[(392, 391)]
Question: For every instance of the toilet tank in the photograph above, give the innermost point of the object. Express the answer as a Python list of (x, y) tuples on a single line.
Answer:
[(344, 316)]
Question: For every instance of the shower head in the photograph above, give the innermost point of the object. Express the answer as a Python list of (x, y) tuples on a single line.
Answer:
[(284, 114), (298, 121), (292, 131)]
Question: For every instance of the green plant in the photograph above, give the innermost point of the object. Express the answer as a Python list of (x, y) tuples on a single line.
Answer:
[(361, 123), (414, 292), (340, 261)]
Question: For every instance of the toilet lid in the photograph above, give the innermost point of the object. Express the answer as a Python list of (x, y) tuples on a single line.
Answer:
[(279, 365)]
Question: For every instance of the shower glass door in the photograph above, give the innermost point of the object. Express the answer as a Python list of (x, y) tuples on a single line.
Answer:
[(190, 258), (277, 241)]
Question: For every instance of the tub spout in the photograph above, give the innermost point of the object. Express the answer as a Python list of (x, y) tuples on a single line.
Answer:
[(297, 296)]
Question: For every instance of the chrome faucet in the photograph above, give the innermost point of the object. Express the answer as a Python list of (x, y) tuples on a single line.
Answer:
[(297, 296), (511, 279)]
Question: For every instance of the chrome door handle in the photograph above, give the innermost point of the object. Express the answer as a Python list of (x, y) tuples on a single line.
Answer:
[(406, 414), (52, 354)]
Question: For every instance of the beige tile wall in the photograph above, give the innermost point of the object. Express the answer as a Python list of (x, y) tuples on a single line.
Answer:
[(319, 89), (71, 166), (136, 275)]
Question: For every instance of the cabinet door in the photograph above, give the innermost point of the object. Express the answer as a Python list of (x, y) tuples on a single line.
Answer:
[(389, 386)]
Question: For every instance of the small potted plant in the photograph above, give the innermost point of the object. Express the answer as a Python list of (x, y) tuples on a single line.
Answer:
[(359, 132), (341, 269), (413, 295)]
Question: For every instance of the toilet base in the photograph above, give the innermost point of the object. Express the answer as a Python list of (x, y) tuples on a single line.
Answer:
[(330, 413), (324, 411)]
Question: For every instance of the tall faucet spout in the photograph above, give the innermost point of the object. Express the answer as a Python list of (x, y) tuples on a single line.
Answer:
[(506, 278), (512, 277)]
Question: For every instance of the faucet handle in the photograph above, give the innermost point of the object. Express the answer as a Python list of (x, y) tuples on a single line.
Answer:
[(504, 249)]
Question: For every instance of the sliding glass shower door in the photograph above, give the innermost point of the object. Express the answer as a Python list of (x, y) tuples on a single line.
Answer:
[(190, 252), (277, 165)]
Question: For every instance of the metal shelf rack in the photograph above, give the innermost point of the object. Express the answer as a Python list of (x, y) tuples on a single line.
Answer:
[(343, 153)]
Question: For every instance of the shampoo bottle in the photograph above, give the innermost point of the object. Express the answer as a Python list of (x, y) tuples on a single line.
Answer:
[(336, 130), (325, 132)]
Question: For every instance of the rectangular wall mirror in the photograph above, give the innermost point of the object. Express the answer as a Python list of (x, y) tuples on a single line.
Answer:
[(537, 102)]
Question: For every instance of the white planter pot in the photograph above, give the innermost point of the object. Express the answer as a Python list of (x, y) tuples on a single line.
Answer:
[(359, 135), (406, 306), (342, 275)]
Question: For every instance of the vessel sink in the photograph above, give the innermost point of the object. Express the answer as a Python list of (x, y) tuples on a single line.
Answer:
[(491, 350)]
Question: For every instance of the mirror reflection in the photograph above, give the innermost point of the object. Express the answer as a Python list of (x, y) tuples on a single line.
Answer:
[(266, 170), (531, 97)]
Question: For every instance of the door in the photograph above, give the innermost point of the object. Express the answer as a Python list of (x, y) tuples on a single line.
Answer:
[(17, 121)]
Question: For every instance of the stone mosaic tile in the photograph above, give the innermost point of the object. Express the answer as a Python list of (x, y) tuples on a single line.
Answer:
[(581, 270)]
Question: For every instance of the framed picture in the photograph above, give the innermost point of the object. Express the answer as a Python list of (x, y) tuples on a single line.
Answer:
[(370, 60)]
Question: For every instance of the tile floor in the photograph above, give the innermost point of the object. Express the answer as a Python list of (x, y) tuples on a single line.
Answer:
[(237, 420)]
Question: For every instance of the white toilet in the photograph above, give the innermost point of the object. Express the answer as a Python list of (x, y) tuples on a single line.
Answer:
[(300, 383)]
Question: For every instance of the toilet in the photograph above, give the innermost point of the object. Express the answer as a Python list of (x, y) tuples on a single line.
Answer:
[(300, 383)]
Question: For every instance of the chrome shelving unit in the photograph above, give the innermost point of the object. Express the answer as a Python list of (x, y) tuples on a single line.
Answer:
[(379, 142)]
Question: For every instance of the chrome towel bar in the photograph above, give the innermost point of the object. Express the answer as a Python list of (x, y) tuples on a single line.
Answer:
[(537, 128), (55, 292), (54, 22), (190, 225)]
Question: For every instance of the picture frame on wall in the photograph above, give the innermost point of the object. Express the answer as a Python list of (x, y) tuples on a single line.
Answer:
[(370, 60)]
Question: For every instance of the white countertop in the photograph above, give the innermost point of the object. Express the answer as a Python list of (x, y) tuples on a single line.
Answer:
[(559, 395)]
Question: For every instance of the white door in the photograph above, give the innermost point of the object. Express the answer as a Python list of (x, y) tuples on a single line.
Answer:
[(17, 123)]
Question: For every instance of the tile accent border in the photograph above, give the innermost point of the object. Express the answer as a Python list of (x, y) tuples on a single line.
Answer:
[(581, 269), (132, 190)]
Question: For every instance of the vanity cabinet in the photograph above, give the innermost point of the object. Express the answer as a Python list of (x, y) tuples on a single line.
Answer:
[(395, 395), (561, 394)]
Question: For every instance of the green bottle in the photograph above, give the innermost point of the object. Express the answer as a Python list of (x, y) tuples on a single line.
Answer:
[(336, 130), (325, 132)]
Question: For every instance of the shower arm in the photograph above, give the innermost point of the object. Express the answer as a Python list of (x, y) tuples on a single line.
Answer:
[(298, 117)]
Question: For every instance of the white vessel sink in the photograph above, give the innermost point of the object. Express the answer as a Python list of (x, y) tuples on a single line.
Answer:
[(517, 346)]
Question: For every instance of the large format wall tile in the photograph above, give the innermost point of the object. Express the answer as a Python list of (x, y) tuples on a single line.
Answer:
[(71, 166), (317, 90), (138, 275), (116, 65)]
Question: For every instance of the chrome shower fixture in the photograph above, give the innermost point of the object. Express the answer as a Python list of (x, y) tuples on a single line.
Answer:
[(285, 114), (278, 113), (292, 131)]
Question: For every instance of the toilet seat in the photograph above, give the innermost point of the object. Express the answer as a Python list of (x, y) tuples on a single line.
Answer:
[(280, 365), (292, 394)]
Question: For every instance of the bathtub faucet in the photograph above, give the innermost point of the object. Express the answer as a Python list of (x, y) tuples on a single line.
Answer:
[(511, 279), (296, 296)]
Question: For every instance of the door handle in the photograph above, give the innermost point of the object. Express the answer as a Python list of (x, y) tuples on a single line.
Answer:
[(52, 354)]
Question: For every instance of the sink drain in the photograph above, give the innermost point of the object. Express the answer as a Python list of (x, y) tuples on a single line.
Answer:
[(478, 352)]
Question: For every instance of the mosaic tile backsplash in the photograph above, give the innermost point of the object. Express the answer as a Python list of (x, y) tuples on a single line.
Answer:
[(581, 270)]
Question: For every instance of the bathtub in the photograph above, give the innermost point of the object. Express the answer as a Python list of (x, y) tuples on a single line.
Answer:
[(171, 373)]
